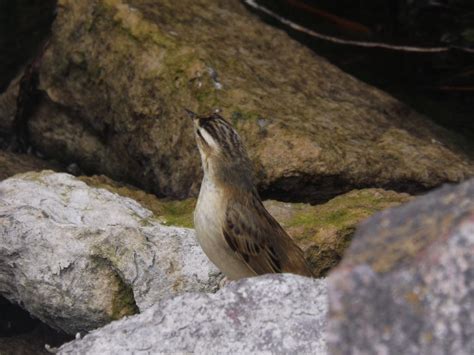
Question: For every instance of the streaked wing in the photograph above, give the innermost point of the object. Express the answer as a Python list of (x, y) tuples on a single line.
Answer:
[(254, 235)]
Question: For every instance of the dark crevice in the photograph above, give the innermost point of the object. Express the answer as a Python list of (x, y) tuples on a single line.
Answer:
[(308, 190), (24, 25), (27, 102), (20, 333)]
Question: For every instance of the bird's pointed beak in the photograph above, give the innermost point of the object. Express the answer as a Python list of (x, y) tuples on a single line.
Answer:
[(191, 114)]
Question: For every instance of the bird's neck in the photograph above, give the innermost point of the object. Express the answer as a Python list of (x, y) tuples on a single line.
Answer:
[(229, 176)]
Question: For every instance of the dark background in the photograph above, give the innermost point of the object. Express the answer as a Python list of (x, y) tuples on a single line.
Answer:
[(440, 85)]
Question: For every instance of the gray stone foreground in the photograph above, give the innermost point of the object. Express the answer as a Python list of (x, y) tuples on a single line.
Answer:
[(78, 257), (406, 284), (270, 314)]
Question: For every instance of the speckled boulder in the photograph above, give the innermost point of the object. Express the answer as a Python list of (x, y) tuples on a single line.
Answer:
[(272, 314), (118, 73), (406, 284), (78, 257)]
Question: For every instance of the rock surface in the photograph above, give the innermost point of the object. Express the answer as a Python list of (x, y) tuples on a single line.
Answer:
[(77, 257), (275, 314), (178, 213), (12, 163), (406, 284), (118, 73)]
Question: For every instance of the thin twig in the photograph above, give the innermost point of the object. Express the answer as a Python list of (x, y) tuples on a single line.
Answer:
[(454, 88), (295, 26), (339, 21)]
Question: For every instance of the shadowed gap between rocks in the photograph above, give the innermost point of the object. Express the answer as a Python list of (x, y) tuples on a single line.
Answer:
[(24, 25), (20, 333), (25, 28), (306, 190)]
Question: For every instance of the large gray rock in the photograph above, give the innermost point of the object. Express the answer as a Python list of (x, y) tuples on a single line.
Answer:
[(77, 257), (118, 73), (406, 285), (271, 314)]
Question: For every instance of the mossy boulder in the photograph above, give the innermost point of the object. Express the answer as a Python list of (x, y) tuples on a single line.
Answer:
[(118, 73), (325, 231)]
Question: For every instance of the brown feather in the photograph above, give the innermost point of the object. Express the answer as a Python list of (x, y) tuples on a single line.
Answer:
[(257, 238)]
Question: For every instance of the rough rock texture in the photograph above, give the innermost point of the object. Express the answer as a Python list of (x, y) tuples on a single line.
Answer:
[(77, 257), (406, 285), (325, 231), (118, 73), (12, 163), (178, 213), (273, 314)]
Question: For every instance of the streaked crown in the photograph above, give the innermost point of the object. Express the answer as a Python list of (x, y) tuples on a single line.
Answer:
[(217, 136), (221, 148)]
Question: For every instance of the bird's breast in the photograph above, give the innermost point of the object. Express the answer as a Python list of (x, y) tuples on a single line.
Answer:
[(209, 217)]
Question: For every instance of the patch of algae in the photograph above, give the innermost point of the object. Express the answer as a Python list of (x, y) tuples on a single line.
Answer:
[(132, 21), (123, 301), (325, 231), (176, 213)]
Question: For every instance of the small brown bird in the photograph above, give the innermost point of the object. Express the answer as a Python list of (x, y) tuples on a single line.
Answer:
[(232, 226)]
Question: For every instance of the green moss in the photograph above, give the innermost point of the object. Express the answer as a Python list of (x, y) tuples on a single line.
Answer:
[(123, 301), (325, 231), (179, 213), (133, 24), (176, 213)]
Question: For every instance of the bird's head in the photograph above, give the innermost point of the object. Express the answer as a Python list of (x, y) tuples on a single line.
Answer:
[(223, 155)]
